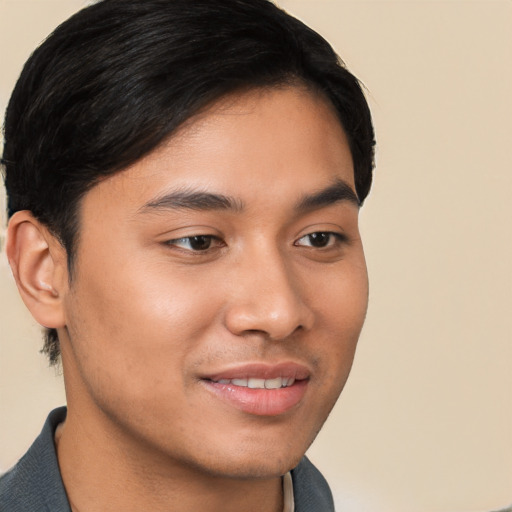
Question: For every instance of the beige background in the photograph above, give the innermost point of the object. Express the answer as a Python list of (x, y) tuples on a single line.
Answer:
[(425, 423)]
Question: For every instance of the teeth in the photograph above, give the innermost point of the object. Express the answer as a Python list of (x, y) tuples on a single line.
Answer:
[(274, 383), (254, 383)]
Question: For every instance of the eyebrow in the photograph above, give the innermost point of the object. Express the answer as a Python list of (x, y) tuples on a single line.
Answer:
[(189, 199), (192, 200), (339, 191)]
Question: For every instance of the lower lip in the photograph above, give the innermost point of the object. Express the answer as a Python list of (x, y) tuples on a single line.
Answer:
[(260, 402)]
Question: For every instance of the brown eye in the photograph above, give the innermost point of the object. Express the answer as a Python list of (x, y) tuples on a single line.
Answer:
[(320, 239), (193, 243), (200, 243)]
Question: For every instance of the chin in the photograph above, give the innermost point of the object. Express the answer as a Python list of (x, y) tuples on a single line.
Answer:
[(259, 459), (261, 469)]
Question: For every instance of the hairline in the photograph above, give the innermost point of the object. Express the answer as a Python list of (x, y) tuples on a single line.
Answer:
[(285, 82)]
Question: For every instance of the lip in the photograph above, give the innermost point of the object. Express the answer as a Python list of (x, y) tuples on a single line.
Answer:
[(260, 402), (262, 371)]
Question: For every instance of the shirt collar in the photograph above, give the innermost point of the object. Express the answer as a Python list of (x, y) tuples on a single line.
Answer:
[(289, 504)]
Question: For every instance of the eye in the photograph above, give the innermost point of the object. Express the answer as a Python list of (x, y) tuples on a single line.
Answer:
[(196, 243), (321, 239)]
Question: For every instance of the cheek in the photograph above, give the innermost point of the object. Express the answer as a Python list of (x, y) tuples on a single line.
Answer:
[(340, 298), (137, 329), (341, 310)]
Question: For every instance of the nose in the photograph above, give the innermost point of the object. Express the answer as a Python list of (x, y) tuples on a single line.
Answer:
[(268, 299)]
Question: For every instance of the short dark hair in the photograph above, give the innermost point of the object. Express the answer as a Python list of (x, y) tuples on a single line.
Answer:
[(115, 80)]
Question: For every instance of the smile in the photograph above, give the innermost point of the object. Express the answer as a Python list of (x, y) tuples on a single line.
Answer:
[(260, 389), (256, 383)]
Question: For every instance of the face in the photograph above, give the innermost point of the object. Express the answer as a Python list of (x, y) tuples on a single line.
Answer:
[(220, 288)]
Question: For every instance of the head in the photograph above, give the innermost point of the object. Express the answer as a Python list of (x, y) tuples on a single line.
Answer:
[(122, 87)]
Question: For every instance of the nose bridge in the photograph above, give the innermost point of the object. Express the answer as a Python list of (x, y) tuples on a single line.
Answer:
[(268, 296)]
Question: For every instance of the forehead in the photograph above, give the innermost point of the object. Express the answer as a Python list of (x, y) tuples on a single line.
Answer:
[(255, 144)]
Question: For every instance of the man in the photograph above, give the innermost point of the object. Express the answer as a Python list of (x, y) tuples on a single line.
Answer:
[(184, 180)]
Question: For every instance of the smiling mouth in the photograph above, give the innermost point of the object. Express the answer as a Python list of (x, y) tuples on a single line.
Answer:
[(257, 383), (260, 390)]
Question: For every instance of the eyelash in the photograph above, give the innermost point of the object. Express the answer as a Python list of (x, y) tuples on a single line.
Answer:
[(191, 240), (333, 239)]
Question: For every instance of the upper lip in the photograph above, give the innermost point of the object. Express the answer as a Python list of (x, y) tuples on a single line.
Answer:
[(287, 369)]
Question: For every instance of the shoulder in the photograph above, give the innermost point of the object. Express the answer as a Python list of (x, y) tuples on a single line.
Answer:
[(310, 490), (34, 483)]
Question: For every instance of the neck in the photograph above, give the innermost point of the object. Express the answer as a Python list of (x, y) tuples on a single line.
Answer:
[(106, 472)]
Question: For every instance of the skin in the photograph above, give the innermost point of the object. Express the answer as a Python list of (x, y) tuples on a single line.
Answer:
[(146, 316)]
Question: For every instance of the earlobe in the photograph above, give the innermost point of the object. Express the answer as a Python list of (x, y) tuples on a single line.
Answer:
[(38, 263)]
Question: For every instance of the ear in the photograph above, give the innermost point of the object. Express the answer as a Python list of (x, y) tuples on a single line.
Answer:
[(39, 265)]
